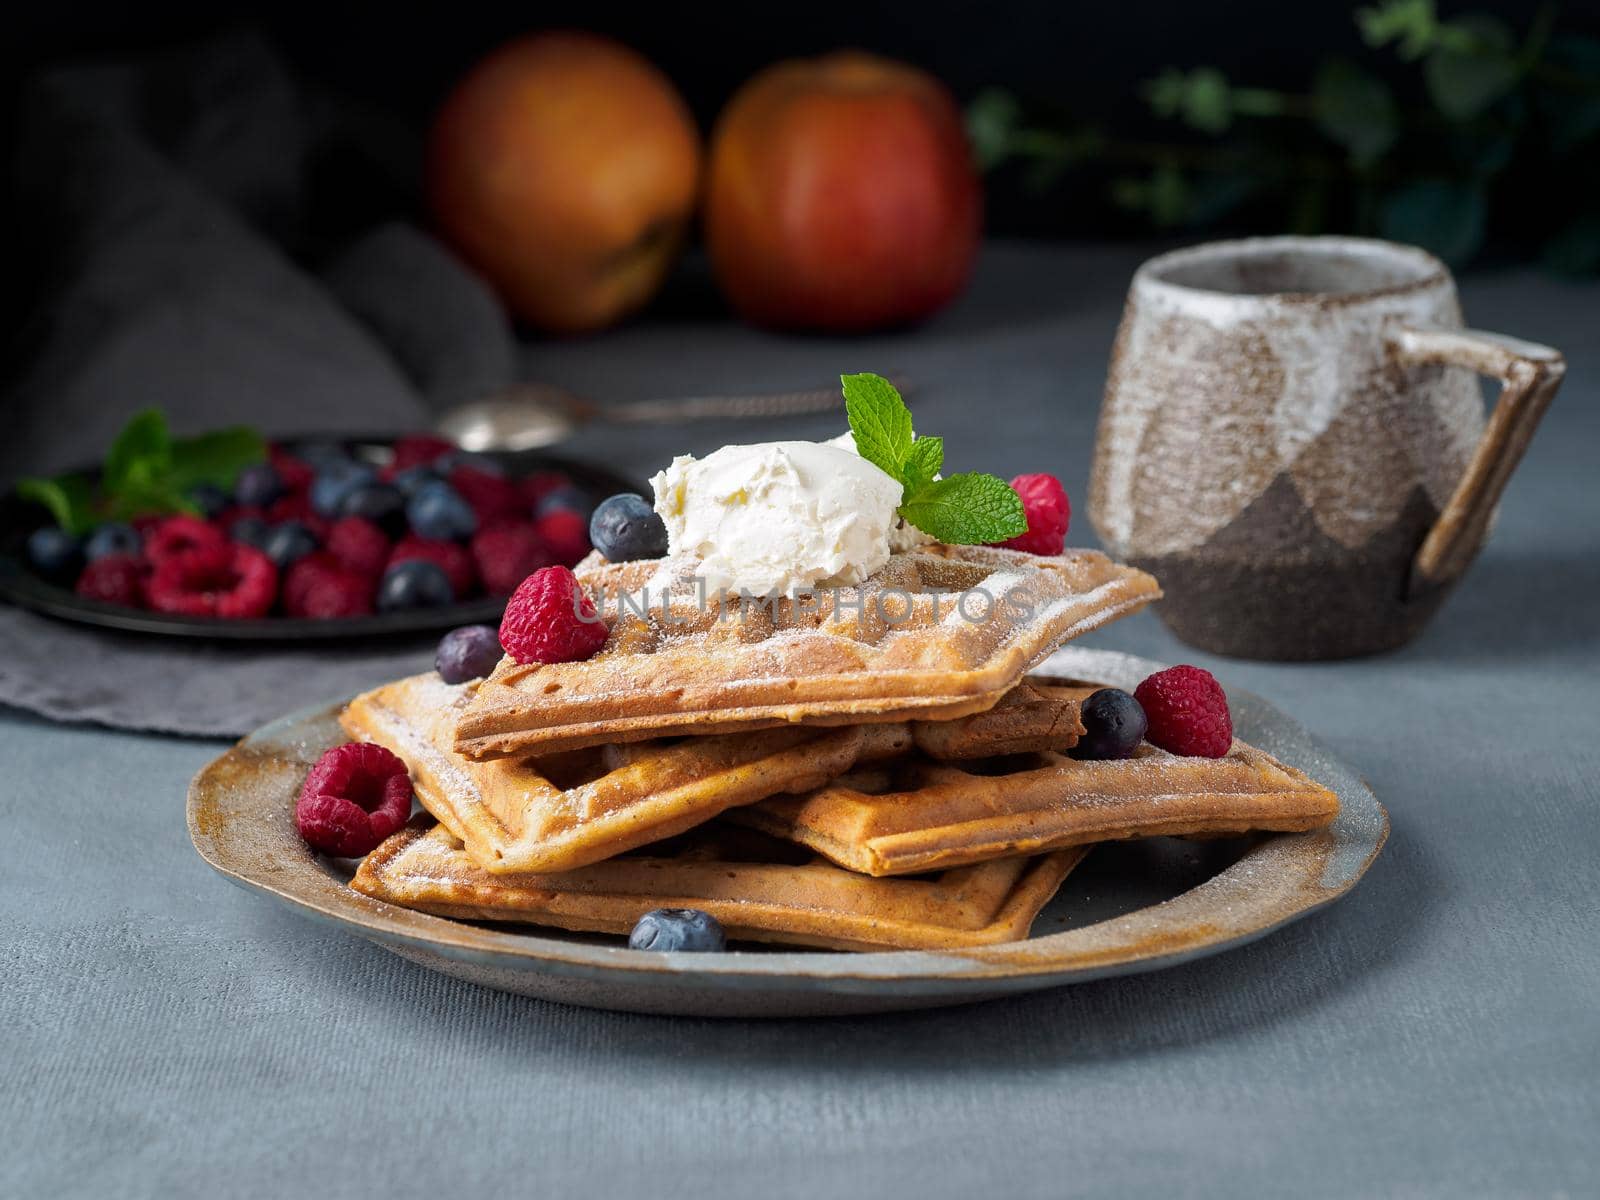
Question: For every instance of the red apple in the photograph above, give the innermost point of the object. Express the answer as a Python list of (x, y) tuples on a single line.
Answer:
[(565, 168), (841, 195)]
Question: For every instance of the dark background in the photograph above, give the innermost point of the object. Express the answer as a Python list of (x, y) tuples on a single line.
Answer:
[(1080, 59)]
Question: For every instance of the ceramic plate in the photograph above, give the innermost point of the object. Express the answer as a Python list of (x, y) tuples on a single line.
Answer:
[(21, 586), (1131, 906)]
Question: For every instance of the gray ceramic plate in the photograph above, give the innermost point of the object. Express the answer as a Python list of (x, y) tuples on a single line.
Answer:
[(1132, 906)]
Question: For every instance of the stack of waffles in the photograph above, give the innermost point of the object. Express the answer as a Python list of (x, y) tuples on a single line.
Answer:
[(872, 767)]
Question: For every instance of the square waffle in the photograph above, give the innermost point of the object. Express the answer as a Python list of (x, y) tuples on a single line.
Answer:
[(759, 889), (917, 814), (897, 646)]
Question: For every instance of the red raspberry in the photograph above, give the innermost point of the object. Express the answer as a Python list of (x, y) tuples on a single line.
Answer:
[(355, 796), (319, 585), (451, 557), (540, 484), (507, 554), (296, 506), (544, 621), (565, 535), (417, 450), (181, 534), (233, 581), (114, 579), (490, 497), (296, 475), (359, 545), (1188, 712), (1049, 512)]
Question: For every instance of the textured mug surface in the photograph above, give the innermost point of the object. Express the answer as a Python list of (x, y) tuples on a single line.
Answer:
[(1281, 436)]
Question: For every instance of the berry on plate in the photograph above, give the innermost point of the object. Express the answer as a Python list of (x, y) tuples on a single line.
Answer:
[(258, 485), (1187, 711), (491, 497), (319, 585), (335, 481), (247, 526), (113, 538), (355, 796), (233, 581), (1113, 723), (295, 473), (470, 652), (507, 554), (678, 929), (549, 619), (55, 553), (288, 543), (570, 498), (114, 579), (436, 510), (359, 545), (210, 500), (1049, 514), (626, 527), (180, 535), (419, 450), (565, 535), (414, 583), (380, 503), (454, 559)]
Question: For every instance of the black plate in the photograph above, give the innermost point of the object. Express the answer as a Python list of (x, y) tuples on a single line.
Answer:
[(19, 585)]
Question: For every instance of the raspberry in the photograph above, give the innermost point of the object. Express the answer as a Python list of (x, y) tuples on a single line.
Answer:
[(1049, 512), (296, 475), (540, 484), (319, 585), (233, 581), (355, 796), (417, 450), (114, 579), (181, 534), (507, 554), (359, 545), (543, 624), (451, 557), (296, 506), (565, 534), (1187, 711), (490, 497)]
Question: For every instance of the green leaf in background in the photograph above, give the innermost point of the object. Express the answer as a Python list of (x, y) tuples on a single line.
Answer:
[(971, 509), (141, 454), (70, 499), (1576, 249), (880, 422), (1201, 98), (215, 458), (923, 463), (1356, 110), (1165, 196), (1442, 215), (1463, 82), (992, 119), (1411, 24)]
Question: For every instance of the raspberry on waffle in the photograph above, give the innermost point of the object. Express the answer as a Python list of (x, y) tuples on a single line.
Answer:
[(895, 647)]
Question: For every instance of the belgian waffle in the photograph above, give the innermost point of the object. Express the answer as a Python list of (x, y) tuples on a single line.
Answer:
[(916, 814), (897, 646), (753, 885)]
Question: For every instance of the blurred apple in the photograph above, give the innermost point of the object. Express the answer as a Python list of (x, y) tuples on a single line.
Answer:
[(565, 168), (841, 195)]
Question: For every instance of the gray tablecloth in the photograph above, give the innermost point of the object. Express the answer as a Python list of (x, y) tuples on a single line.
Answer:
[(165, 1034)]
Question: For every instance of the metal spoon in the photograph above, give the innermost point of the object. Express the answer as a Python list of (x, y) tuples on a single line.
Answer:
[(527, 416)]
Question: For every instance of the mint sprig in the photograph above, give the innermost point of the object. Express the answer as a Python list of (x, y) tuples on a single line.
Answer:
[(970, 509), (146, 470)]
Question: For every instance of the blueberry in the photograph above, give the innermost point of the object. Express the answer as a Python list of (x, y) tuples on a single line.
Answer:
[(334, 482), (413, 479), (1114, 724), (380, 503), (321, 455), (470, 652), (678, 929), (415, 583), (113, 538), (258, 485), (569, 498), (54, 553), (438, 511), (209, 499), (625, 527), (289, 543), (249, 531)]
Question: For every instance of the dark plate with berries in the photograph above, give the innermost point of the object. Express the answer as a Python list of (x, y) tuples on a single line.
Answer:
[(1131, 907), (313, 539)]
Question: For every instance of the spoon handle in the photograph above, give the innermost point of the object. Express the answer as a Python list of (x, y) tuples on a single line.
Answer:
[(696, 408)]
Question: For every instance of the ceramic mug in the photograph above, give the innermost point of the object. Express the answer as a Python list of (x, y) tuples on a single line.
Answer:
[(1293, 441)]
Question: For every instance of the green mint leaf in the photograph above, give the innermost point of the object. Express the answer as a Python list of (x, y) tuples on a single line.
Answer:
[(923, 463), (141, 453), (70, 499), (215, 458), (971, 509), (880, 422)]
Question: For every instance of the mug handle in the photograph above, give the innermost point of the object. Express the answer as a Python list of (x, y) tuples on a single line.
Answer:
[(1529, 375)]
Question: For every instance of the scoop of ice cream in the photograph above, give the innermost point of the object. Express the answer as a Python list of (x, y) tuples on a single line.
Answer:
[(776, 516), (902, 536)]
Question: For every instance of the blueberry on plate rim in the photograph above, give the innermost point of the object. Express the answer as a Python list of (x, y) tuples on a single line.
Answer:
[(678, 929), (54, 553)]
